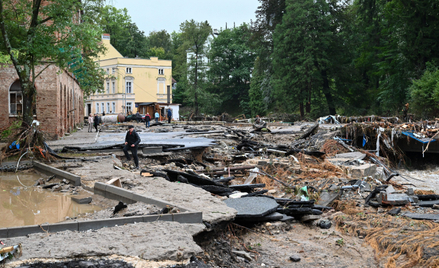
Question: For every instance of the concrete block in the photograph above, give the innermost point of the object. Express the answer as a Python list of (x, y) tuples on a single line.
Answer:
[(188, 217), (120, 192), (23, 230), (362, 170), (4, 233), (100, 186), (160, 217), (84, 200), (75, 179), (97, 224), (59, 227)]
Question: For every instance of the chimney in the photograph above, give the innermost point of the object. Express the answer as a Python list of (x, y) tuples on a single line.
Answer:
[(105, 36)]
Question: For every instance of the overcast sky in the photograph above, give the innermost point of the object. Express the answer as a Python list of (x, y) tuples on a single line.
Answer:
[(156, 15)]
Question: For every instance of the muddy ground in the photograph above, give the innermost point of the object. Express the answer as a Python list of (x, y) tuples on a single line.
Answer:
[(220, 242)]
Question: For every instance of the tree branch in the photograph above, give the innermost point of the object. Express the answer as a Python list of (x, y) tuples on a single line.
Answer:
[(7, 42), (38, 74)]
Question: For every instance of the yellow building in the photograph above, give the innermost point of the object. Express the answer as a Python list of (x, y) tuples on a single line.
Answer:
[(130, 82)]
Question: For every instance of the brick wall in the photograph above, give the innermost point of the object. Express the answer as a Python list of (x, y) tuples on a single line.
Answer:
[(59, 102)]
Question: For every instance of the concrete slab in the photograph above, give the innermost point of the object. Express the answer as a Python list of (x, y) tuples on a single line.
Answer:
[(352, 156), (187, 196), (158, 240), (327, 197), (252, 206), (418, 216)]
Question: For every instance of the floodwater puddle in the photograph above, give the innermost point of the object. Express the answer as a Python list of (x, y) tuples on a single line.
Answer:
[(23, 204)]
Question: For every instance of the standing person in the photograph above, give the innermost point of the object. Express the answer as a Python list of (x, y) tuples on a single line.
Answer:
[(96, 122), (90, 123), (157, 116), (169, 115), (147, 119), (103, 113), (132, 140), (138, 117)]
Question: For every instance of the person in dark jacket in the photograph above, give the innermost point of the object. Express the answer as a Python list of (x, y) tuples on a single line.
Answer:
[(169, 115), (96, 122), (132, 140), (147, 119)]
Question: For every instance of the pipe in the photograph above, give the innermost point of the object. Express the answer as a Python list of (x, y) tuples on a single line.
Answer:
[(18, 162)]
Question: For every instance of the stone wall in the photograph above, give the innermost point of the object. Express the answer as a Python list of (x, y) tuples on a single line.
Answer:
[(59, 102)]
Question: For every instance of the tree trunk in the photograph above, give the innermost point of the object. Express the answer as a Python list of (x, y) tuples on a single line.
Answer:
[(326, 91), (302, 112), (196, 85)]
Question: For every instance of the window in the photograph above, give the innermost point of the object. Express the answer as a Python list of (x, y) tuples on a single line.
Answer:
[(108, 107), (129, 107), (15, 99), (113, 70), (108, 70), (103, 107), (161, 72), (128, 88), (97, 107), (114, 108), (128, 70), (108, 87), (114, 87)]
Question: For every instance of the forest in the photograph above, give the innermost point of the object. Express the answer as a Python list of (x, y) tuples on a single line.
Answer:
[(304, 57)]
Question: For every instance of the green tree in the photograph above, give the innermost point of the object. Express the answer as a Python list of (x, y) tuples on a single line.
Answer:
[(303, 44), (268, 15), (125, 35), (161, 39), (44, 33), (231, 64), (256, 93), (424, 93), (194, 36)]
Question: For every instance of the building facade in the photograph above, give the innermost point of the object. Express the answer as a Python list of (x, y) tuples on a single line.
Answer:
[(59, 100), (129, 82)]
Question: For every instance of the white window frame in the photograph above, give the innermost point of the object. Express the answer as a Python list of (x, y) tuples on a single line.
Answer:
[(108, 107), (114, 87), (128, 70), (129, 107), (113, 70), (129, 87), (97, 107), (114, 107), (108, 70), (103, 107), (108, 87), (17, 95), (161, 71)]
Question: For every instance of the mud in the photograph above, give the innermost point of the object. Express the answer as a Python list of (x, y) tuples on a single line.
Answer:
[(23, 204)]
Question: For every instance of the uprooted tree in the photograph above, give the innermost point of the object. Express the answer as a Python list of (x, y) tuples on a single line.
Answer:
[(35, 34)]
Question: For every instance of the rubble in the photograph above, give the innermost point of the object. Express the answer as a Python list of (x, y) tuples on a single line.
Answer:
[(283, 173)]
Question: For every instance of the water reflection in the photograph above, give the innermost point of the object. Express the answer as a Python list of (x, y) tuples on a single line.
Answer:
[(22, 204)]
